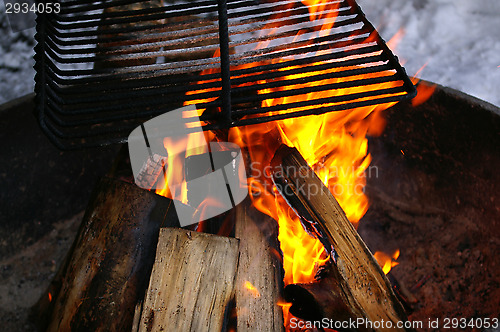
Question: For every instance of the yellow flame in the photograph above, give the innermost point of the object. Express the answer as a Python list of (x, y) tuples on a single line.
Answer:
[(334, 144), (385, 261), (252, 289)]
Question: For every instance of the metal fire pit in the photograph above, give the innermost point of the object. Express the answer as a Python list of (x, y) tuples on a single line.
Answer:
[(103, 68)]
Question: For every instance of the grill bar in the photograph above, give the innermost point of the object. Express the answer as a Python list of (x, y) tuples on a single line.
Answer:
[(280, 94), (258, 57), (182, 89), (224, 59), (241, 80), (103, 68)]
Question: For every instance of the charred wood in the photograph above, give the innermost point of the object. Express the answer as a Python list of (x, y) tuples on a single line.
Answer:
[(361, 283)]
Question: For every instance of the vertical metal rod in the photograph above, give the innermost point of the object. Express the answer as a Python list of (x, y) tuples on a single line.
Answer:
[(224, 60)]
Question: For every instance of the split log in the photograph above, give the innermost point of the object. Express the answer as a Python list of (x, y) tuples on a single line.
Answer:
[(362, 285), (259, 281), (151, 171), (191, 283), (113, 254)]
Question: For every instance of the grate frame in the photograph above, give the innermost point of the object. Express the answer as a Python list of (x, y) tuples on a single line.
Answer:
[(103, 68)]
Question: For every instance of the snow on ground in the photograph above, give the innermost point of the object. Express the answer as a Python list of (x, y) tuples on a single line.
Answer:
[(16, 60), (459, 40)]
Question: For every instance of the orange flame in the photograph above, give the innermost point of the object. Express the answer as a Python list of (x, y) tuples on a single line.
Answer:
[(385, 261), (251, 288), (179, 149), (334, 144), (394, 41), (424, 90)]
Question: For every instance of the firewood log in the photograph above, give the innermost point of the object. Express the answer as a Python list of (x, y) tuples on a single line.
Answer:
[(259, 281), (191, 283), (324, 298), (113, 254), (151, 170), (358, 281)]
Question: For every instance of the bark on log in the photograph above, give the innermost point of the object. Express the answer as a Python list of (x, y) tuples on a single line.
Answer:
[(363, 287), (191, 283), (112, 258), (259, 281)]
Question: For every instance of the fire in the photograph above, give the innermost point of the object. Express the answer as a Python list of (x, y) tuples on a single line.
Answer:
[(179, 149), (385, 261), (424, 90), (392, 44), (334, 144), (251, 288)]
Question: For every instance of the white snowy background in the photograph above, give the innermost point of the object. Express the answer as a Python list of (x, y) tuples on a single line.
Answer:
[(459, 40)]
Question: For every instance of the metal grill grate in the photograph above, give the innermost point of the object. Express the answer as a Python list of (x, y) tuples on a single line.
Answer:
[(105, 67)]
